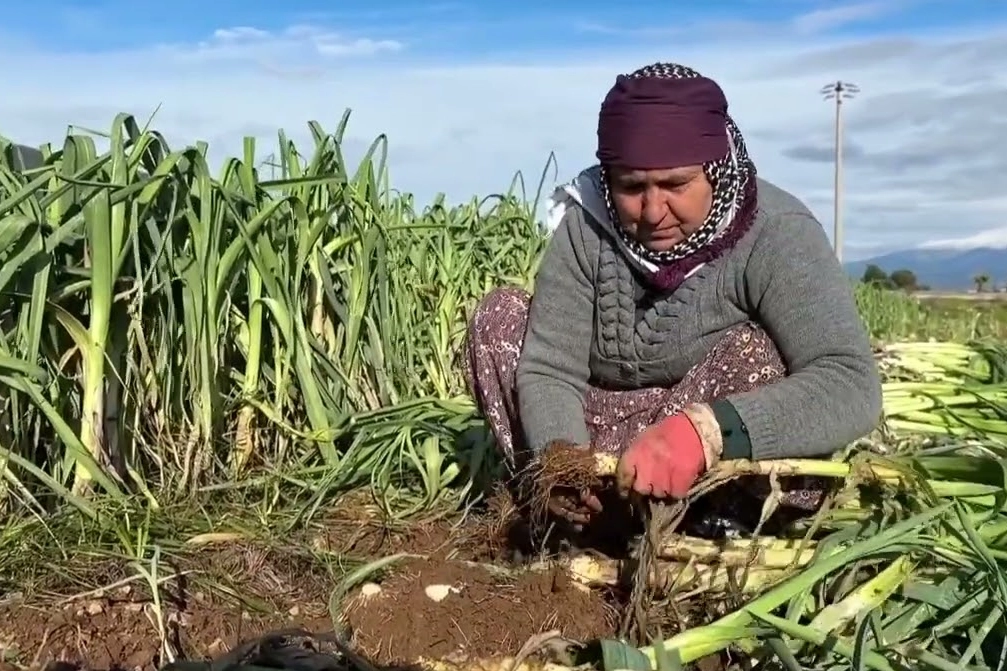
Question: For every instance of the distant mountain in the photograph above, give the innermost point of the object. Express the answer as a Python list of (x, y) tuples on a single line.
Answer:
[(943, 269)]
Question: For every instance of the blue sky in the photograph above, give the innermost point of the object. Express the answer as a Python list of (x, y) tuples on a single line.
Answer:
[(479, 29), (468, 94)]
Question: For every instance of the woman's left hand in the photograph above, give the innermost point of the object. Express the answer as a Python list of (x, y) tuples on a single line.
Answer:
[(573, 506), (665, 460)]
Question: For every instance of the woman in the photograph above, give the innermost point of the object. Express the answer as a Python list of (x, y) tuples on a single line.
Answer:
[(685, 310)]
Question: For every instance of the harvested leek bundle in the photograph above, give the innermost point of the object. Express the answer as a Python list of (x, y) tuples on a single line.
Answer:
[(680, 579), (605, 466), (942, 362), (945, 389), (764, 552), (946, 409), (918, 587)]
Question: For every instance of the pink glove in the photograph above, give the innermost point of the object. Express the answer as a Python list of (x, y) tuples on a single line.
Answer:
[(667, 458)]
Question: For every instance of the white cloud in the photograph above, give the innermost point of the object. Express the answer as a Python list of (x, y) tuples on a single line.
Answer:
[(239, 33), (304, 41), (821, 20), (994, 237), (925, 161)]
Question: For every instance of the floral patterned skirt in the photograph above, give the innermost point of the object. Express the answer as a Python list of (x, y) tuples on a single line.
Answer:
[(744, 359)]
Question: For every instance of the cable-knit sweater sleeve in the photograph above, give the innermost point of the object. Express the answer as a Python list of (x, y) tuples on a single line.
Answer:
[(554, 367), (804, 300)]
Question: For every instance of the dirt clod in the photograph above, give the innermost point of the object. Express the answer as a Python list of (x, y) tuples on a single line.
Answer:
[(478, 613)]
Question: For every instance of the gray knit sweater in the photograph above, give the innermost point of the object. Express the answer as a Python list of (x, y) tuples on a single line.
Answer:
[(586, 325)]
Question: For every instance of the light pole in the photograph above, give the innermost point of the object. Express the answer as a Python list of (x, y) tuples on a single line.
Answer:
[(838, 91)]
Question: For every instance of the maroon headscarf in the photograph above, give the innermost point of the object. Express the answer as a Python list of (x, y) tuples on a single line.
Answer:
[(651, 123), (667, 116)]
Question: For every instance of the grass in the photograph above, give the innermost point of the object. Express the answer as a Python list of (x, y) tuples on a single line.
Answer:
[(188, 351), (893, 315)]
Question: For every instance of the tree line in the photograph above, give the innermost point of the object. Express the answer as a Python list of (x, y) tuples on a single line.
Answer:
[(906, 280)]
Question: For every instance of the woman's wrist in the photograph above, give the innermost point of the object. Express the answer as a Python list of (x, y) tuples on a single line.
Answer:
[(708, 429), (735, 441)]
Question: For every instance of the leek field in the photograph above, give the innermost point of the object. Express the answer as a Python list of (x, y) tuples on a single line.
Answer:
[(241, 382)]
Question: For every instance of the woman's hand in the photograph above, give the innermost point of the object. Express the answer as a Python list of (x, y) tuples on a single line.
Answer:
[(573, 506), (667, 458), (568, 503)]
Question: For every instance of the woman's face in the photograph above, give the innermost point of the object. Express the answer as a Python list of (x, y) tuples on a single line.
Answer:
[(661, 208)]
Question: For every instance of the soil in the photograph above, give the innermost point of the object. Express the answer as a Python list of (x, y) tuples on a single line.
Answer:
[(229, 592), (471, 613), (118, 632)]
